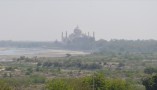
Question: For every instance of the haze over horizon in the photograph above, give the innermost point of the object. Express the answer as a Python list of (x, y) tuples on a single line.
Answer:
[(44, 20)]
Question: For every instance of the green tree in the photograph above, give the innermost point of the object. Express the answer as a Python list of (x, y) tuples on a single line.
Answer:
[(58, 84), (150, 83), (99, 82)]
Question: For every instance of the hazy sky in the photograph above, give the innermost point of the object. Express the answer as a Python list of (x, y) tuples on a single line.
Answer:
[(46, 19)]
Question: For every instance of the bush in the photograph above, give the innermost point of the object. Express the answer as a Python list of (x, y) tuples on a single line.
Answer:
[(4, 86), (37, 79), (9, 69)]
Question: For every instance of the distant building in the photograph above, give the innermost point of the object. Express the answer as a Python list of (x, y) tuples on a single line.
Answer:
[(77, 34), (78, 39)]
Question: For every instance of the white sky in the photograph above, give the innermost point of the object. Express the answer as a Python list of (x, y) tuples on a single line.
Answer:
[(44, 20)]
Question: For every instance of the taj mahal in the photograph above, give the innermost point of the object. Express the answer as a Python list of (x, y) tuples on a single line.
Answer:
[(77, 36)]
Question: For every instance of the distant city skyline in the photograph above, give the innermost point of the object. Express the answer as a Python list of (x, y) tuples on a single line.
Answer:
[(45, 20)]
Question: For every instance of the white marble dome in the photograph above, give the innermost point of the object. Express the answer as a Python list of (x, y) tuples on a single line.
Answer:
[(77, 31)]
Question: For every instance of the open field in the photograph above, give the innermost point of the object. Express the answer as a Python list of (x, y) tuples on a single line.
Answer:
[(7, 54)]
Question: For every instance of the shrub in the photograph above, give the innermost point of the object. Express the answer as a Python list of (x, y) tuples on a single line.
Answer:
[(150, 70), (37, 79), (4, 86)]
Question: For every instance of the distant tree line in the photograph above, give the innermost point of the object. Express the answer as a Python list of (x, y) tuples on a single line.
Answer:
[(29, 44), (126, 46), (112, 46)]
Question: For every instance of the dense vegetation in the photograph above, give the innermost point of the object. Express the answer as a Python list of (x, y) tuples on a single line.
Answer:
[(95, 82), (114, 71), (115, 65)]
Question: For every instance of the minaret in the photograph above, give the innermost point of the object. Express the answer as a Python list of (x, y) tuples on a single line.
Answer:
[(94, 35), (62, 36), (66, 34)]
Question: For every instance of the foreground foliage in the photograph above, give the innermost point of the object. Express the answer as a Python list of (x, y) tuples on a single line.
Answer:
[(150, 82), (95, 82), (4, 86)]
